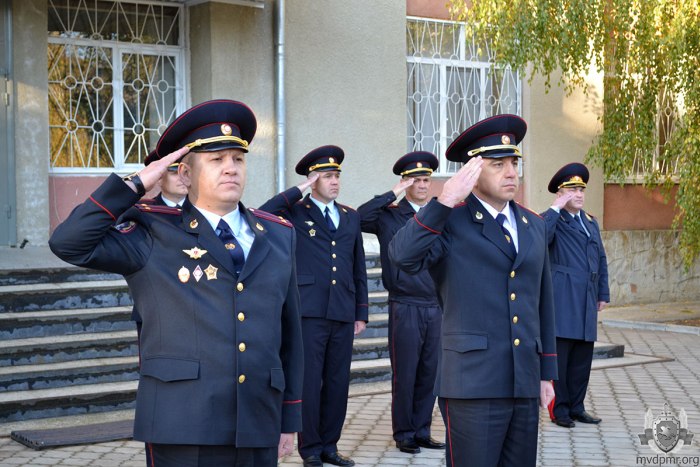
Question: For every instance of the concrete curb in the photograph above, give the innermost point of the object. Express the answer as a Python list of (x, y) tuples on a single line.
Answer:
[(648, 326)]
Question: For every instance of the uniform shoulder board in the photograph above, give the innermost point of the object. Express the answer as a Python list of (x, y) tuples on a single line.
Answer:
[(590, 217), (393, 206), (149, 201), (270, 217), (158, 209), (528, 210), (345, 208)]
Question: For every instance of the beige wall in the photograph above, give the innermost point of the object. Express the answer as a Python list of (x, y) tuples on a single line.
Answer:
[(232, 57), (346, 76), (561, 128), (29, 24)]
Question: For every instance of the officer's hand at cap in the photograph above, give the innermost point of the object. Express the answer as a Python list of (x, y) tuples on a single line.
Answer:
[(461, 184), (563, 197), (402, 185), (155, 170), (310, 180)]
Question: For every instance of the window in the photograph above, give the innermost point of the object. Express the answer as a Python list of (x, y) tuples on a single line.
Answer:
[(452, 84), (116, 80)]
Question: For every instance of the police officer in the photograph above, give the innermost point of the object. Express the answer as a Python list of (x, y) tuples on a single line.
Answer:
[(172, 189), (488, 257), (215, 283), (332, 279), (580, 280), (414, 313)]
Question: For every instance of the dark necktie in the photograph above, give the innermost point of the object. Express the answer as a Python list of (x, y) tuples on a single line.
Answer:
[(580, 226), (225, 234), (329, 221), (501, 218)]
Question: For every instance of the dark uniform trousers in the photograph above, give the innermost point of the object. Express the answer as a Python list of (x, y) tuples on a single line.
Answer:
[(221, 353), (498, 338), (332, 279), (414, 323), (160, 455), (580, 281)]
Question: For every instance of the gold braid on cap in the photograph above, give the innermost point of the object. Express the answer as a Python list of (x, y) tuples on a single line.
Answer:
[(573, 181), (417, 169), (217, 139), (321, 166), (474, 152)]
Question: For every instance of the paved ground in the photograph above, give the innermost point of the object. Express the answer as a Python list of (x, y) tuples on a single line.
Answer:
[(619, 394)]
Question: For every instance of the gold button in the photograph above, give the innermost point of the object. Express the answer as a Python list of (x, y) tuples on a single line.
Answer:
[(333, 242), (241, 316), (512, 296), (241, 378), (241, 347), (512, 274), (516, 342), (333, 255), (334, 269), (515, 319), (239, 287), (333, 282)]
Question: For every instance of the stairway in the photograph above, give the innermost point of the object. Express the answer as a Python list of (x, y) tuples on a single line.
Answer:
[(68, 345)]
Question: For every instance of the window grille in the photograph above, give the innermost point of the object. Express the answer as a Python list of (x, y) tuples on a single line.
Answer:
[(452, 84), (116, 80)]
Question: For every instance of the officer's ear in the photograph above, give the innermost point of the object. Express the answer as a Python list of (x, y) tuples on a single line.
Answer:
[(184, 170)]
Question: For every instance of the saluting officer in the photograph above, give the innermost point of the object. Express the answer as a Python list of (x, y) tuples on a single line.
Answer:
[(332, 280), (215, 284), (414, 312), (488, 257), (580, 280)]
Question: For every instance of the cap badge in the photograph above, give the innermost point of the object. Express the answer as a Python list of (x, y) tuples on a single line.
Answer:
[(331, 160), (419, 164), (210, 271), (576, 179), (183, 274), (505, 139), (478, 215), (195, 253), (197, 273), (312, 232), (524, 219), (226, 129), (194, 224)]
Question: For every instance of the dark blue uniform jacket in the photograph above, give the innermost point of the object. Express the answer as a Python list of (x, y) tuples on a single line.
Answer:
[(579, 274), (331, 269), (221, 357), (498, 313)]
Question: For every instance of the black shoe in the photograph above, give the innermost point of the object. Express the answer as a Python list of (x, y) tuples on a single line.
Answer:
[(408, 445), (313, 461), (336, 458), (585, 417), (565, 422), (429, 443)]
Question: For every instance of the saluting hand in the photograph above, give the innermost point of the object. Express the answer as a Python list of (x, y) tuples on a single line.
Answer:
[(154, 171), (563, 197), (461, 184), (404, 183), (303, 186)]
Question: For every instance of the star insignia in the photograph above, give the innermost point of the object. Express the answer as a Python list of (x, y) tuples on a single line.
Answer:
[(210, 271)]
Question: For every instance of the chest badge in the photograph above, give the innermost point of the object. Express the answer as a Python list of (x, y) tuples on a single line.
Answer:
[(312, 232), (259, 227), (183, 274), (195, 253), (197, 273), (194, 224), (478, 215), (210, 271), (524, 219), (309, 223)]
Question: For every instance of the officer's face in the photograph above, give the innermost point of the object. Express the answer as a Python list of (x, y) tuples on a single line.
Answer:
[(418, 192), (327, 187), (172, 186), (498, 181), (215, 179), (578, 197)]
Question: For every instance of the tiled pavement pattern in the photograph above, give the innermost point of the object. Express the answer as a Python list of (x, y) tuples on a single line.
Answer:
[(619, 395)]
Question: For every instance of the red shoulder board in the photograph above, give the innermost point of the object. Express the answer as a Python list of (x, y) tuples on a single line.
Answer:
[(149, 201), (528, 210), (158, 209), (393, 206), (459, 205), (270, 217), (344, 207)]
